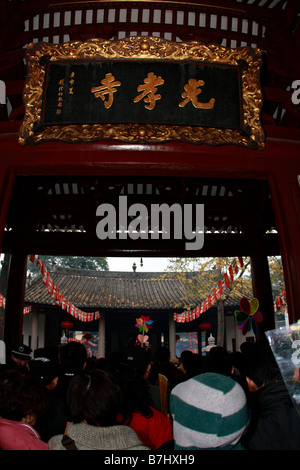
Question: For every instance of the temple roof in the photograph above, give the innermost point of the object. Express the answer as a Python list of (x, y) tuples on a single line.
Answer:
[(117, 290)]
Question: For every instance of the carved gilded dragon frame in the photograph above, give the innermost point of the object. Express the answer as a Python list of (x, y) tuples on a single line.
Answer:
[(153, 50)]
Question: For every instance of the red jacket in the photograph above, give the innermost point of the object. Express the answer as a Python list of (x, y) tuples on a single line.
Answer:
[(15, 435), (154, 431)]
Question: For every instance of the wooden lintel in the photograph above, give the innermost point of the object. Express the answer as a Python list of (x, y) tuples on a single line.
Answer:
[(82, 244)]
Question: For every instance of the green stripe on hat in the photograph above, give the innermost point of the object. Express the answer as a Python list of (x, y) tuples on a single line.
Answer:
[(205, 421), (233, 423), (194, 418), (218, 382)]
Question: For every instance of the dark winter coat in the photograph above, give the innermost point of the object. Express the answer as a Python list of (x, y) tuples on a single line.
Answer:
[(53, 421), (275, 423)]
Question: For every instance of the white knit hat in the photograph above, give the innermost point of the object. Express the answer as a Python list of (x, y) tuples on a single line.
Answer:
[(209, 412)]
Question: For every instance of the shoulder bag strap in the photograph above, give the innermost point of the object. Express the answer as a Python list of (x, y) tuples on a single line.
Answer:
[(68, 443)]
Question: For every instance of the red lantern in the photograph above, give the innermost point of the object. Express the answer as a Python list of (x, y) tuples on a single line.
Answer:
[(66, 325), (205, 326)]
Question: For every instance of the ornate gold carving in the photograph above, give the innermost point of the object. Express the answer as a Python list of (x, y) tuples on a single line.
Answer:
[(149, 48)]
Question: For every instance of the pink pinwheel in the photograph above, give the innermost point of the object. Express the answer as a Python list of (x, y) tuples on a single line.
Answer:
[(248, 315)]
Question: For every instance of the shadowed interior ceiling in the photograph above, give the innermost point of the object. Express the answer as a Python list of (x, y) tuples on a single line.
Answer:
[(57, 215)]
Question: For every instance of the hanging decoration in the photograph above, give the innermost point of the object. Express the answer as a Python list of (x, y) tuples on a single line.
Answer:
[(58, 296), (143, 338), (27, 309), (214, 295), (280, 302), (67, 325), (248, 315), (205, 326), (144, 324), (3, 303)]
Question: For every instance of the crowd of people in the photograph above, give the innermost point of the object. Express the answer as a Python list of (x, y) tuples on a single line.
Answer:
[(57, 398)]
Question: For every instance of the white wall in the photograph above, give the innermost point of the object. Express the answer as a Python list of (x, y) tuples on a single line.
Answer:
[(28, 323), (232, 332)]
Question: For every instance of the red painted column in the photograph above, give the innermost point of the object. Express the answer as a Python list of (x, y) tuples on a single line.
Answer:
[(285, 194), (262, 288), (7, 178), (13, 326)]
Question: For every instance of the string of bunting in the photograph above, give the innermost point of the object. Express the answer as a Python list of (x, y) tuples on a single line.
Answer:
[(215, 294), (58, 296), (3, 303)]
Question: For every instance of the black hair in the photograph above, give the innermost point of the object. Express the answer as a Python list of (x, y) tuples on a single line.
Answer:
[(261, 366), (136, 398), (162, 354), (73, 357), (218, 360), (94, 397), (20, 395), (194, 364)]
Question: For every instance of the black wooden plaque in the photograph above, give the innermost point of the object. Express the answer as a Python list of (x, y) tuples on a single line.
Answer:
[(68, 97)]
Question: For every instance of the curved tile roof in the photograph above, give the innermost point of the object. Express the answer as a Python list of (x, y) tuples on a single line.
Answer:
[(111, 289)]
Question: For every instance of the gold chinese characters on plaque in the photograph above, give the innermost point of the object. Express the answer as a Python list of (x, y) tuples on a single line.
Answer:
[(142, 90)]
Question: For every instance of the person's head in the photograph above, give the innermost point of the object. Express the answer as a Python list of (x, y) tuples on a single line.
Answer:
[(21, 397), (163, 354), (218, 361), (139, 359), (185, 355), (261, 367), (73, 357), (94, 397), (238, 362), (194, 364), (21, 354), (209, 412), (46, 370), (50, 352)]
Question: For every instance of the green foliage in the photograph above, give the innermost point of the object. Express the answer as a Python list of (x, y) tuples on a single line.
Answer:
[(200, 275), (276, 272), (73, 262)]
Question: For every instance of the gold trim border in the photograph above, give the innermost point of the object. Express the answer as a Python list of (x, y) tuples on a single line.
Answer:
[(147, 48)]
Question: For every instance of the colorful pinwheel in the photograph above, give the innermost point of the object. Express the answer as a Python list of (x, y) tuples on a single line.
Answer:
[(143, 324), (248, 315)]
